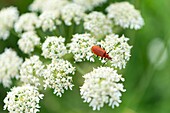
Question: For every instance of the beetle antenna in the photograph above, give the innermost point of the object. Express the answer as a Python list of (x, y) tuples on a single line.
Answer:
[(109, 51)]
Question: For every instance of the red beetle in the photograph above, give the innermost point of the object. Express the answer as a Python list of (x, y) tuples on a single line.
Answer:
[(97, 50)]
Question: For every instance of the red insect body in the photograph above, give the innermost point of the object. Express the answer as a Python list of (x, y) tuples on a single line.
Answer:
[(97, 50)]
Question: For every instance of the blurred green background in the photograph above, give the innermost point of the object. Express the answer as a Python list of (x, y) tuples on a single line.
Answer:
[(147, 87)]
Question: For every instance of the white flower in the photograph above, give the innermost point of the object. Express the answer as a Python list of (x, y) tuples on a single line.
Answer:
[(98, 24), (57, 76), (118, 48), (28, 41), (101, 86), (81, 47), (49, 20), (26, 22), (37, 5), (9, 66), (89, 4), (7, 18), (47, 5), (54, 47), (72, 12), (125, 15), (31, 70), (23, 99)]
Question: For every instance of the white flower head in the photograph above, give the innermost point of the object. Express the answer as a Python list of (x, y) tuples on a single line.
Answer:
[(23, 99), (81, 47), (49, 20), (37, 5), (28, 41), (26, 22), (31, 70), (57, 76), (9, 65), (125, 15), (54, 47), (47, 5), (89, 4), (98, 24), (72, 12), (102, 86), (7, 18), (118, 48)]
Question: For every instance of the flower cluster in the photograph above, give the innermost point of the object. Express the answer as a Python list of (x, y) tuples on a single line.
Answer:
[(81, 47), (54, 47), (125, 15), (31, 70), (56, 33), (47, 5), (26, 22), (72, 12), (56, 76), (9, 65), (23, 99), (118, 48), (89, 4), (28, 41), (7, 18), (102, 86), (98, 24), (49, 20)]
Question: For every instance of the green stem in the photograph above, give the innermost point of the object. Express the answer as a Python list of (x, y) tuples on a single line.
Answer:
[(81, 71)]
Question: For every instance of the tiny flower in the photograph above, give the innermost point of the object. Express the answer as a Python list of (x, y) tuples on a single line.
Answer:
[(102, 86), (72, 12), (89, 4), (23, 99), (57, 77), (9, 65), (31, 70), (26, 22), (118, 48), (47, 5), (98, 24), (49, 20), (8, 16), (28, 41), (81, 47), (125, 15), (54, 47)]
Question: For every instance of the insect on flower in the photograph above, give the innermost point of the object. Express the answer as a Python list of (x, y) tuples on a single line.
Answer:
[(97, 50)]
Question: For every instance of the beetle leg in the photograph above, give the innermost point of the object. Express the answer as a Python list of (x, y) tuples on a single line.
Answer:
[(109, 51), (99, 45), (105, 63)]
